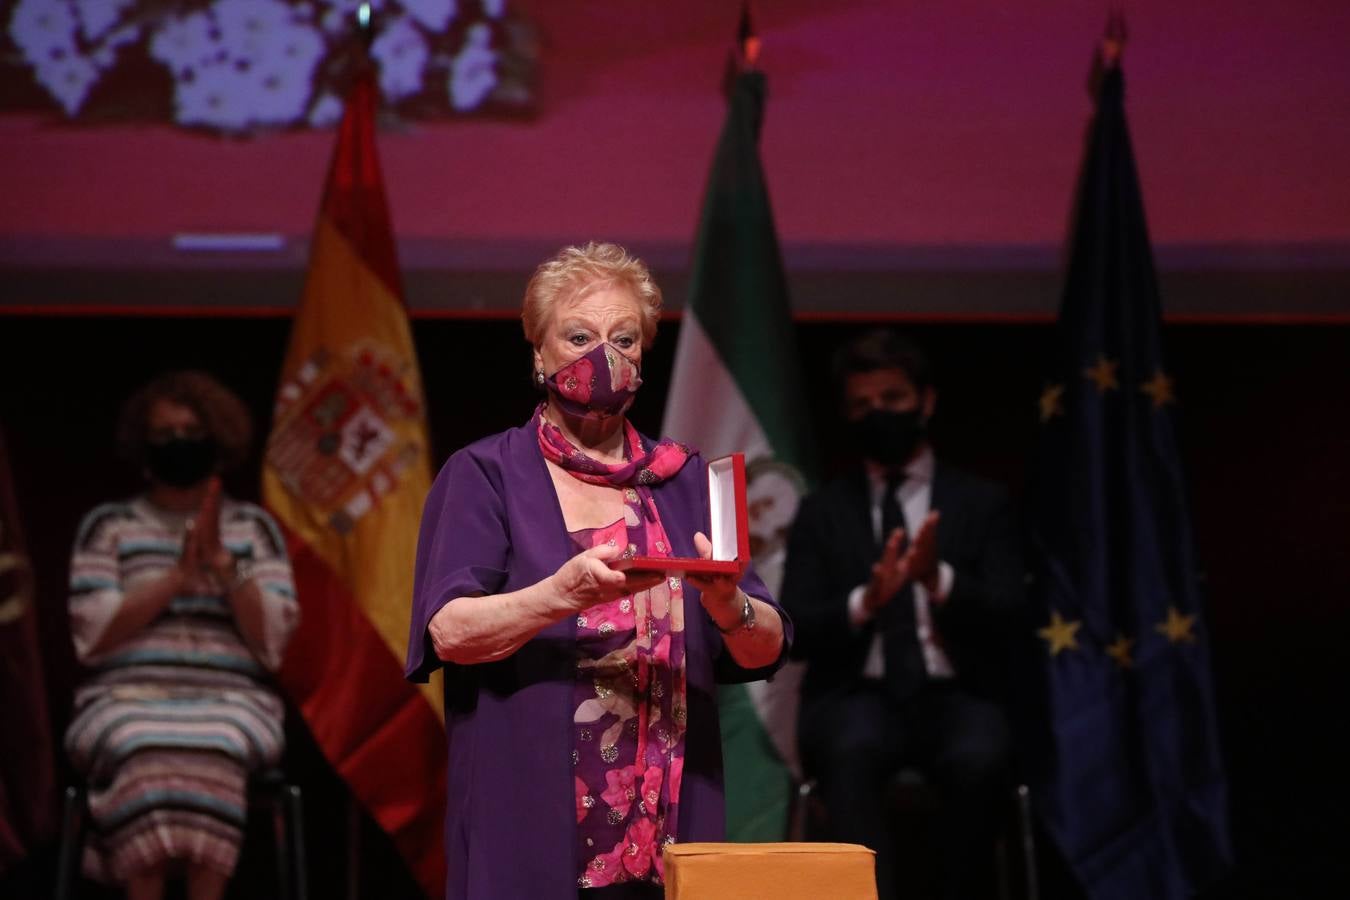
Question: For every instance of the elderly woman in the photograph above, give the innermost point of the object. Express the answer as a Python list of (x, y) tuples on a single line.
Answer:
[(580, 701), (181, 603)]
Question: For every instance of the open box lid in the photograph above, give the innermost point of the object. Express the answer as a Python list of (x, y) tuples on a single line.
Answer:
[(728, 532)]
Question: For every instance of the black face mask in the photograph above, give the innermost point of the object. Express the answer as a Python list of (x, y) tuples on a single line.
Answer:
[(181, 462), (886, 436)]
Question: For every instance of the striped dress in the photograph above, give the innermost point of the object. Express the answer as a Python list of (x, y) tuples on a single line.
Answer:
[(175, 717)]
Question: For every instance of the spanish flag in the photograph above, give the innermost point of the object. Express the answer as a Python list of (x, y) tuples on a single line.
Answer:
[(346, 473)]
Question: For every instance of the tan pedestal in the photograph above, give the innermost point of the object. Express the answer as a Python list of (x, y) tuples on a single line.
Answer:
[(796, 871)]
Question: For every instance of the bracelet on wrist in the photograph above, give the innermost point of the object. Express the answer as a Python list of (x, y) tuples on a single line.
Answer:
[(747, 622), (243, 572)]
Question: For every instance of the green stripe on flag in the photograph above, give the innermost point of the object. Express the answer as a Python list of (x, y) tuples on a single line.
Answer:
[(738, 288), (758, 785)]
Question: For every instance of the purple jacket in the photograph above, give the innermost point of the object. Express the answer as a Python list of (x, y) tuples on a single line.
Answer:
[(492, 524)]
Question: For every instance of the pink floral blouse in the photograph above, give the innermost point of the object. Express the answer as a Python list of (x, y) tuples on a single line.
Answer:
[(629, 723)]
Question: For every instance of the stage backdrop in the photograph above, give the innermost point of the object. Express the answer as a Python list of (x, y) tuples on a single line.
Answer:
[(926, 150)]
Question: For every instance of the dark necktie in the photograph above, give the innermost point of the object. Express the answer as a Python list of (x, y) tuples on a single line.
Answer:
[(892, 516), (899, 642)]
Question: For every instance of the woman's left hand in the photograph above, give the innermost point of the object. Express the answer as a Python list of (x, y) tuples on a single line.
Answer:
[(215, 560), (719, 594)]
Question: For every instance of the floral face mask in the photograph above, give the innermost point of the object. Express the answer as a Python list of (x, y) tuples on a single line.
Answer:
[(601, 384)]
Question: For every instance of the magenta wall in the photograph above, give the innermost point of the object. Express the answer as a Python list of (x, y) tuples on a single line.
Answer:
[(891, 124)]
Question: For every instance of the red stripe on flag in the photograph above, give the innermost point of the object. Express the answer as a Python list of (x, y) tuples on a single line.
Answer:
[(378, 730), (353, 197)]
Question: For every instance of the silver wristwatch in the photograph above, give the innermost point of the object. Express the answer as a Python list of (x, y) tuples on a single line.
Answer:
[(747, 622)]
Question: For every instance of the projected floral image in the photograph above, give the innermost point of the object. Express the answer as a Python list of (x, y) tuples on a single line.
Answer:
[(238, 66)]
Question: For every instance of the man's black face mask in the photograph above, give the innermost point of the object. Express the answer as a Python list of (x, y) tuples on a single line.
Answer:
[(886, 436)]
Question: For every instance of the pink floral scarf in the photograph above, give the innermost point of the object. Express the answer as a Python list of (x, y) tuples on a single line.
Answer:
[(643, 468), (629, 721)]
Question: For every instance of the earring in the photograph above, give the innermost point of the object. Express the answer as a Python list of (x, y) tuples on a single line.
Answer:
[(539, 377)]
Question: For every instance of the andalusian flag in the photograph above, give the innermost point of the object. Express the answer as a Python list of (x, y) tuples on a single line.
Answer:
[(346, 474), (736, 387)]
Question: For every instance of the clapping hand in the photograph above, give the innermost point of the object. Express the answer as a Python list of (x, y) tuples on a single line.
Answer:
[(206, 566), (895, 569), (922, 556)]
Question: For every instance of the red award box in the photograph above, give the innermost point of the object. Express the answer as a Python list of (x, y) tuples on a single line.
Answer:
[(729, 531)]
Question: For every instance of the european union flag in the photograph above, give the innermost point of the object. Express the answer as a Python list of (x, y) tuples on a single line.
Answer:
[(1131, 785)]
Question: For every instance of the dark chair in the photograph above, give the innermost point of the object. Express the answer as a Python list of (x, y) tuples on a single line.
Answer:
[(912, 795), (267, 787)]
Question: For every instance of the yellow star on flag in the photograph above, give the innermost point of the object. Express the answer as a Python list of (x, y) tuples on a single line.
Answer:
[(1103, 373), (1120, 651), (1052, 402), (1159, 387), (1176, 628), (1059, 634)]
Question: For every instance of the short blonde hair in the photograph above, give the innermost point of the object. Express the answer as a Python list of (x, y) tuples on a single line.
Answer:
[(576, 271)]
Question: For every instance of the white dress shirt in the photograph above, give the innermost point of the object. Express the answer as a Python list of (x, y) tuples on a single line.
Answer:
[(915, 496)]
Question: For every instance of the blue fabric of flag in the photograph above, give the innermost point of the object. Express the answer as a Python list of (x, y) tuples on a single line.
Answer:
[(1128, 775)]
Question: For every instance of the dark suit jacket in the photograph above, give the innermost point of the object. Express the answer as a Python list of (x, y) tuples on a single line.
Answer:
[(831, 551)]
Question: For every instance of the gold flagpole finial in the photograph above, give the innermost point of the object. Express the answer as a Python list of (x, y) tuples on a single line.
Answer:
[(1109, 51), (747, 42), (1113, 40)]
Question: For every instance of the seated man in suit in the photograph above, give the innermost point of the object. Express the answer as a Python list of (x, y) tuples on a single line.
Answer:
[(903, 577)]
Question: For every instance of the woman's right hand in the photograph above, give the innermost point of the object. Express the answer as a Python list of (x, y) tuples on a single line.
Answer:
[(586, 579), (188, 575), (480, 628), (204, 565)]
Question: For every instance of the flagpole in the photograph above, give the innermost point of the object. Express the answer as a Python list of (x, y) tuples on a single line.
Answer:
[(365, 30)]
